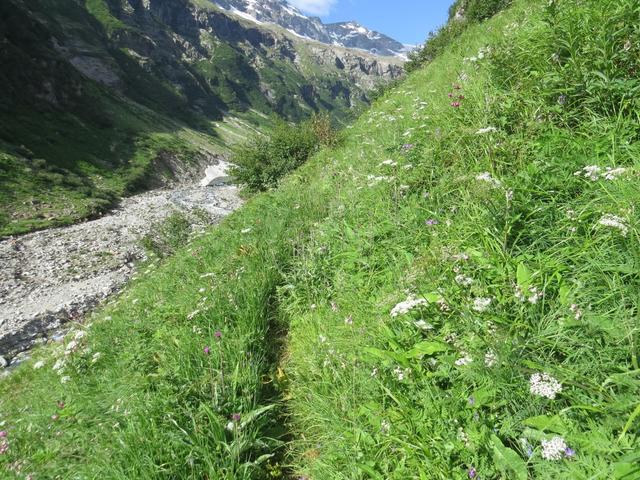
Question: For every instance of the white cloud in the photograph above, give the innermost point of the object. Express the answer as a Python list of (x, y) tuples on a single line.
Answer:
[(314, 7)]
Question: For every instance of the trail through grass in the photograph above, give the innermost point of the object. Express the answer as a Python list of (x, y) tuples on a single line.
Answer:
[(459, 281)]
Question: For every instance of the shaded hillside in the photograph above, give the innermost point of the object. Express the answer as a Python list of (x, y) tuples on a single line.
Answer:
[(96, 90)]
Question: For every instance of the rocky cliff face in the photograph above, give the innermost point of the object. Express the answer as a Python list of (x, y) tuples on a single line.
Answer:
[(186, 57), (345, 34)]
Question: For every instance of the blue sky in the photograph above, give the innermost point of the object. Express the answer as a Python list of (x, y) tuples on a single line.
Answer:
[(408, 21)]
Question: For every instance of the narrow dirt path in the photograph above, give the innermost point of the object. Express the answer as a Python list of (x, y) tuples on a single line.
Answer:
[(50, 277)]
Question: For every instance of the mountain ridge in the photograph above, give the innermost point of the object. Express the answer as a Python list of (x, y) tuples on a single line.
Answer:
[(349, 34)]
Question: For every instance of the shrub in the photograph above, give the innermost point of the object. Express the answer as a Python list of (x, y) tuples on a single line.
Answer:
[(264, 160), (169, 236)]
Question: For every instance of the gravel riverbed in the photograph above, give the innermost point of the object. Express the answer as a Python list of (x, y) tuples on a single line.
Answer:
[(50, 277)]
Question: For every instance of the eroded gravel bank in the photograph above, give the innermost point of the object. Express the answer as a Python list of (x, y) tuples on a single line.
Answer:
[(50, 277)]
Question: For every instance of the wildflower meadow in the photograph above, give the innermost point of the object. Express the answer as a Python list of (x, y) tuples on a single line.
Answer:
[(450, 291)]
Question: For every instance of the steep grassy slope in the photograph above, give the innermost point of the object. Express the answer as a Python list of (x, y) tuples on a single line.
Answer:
[(515, 355)]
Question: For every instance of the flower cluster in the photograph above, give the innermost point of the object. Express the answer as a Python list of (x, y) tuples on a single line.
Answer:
[(532, 296), (486, 130), (594, 173), (481, 304), (486, 177), (613, 221), (464, 360), (406, 306), (490, 358), (464, 280), (556, 449), (544, 385)]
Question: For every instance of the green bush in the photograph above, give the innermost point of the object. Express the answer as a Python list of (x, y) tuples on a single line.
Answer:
[(169, 236), (264, 160)]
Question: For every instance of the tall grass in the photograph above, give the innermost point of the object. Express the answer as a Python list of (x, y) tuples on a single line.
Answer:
[(471, 197), (458, 280)]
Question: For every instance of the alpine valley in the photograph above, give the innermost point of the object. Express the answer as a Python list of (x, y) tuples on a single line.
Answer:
[(105, 98)]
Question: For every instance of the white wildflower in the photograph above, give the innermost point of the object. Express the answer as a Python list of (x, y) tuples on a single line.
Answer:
[(80, 334), (246, 230), (613, 221), (519, 294), (38, 365), (96, 356), (554, 449), (490, 358), (591, 172), (463, 280), (544, 385), (481, 304), (614, 173), (406, 306), (385, 426), (424, 326), (401, 373), (374, 372), (486, 177), (442, 305), (535, 295), (65, 379), (486, 130), (577, 311), (71, 347), (193, 314), (322, 339), (595, 173), (231, 426), (462, 436), (59, 365), (464, 360), (508, 195)]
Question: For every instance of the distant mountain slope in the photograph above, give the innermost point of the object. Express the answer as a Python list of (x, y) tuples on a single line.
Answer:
[(94, 91), (346, 34)]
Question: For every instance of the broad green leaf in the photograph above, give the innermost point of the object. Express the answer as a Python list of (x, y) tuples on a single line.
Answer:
[(564, 293), (427, 348), (508, 461), (546, 423), (369, 471), (523, 276), (386, 355)]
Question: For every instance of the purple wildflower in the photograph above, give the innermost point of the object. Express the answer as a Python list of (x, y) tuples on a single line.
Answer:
[(235, 417), (473, 473), (218, 334), (431, 222), (562, 99), (455, 104), (207, 350), (3, 434), (569, 452), (4, 446), (408, 146), (472, 401)]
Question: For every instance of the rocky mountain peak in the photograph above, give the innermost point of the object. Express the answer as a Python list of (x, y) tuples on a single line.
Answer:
[(349, 34)]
